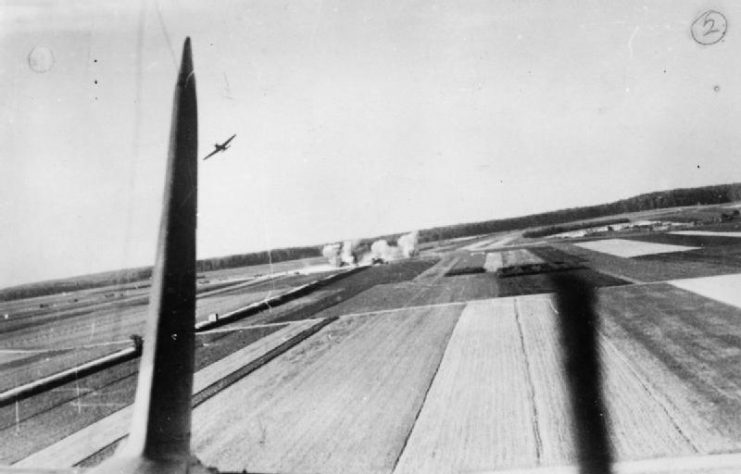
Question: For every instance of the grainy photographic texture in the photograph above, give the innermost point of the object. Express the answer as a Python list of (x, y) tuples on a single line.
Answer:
[(370, 237)]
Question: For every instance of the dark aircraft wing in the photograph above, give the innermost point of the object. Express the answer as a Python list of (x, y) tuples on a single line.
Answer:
[(229, 140), (211, 154)]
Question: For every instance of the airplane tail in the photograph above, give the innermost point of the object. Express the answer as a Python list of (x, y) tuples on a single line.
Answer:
[(159, 439)]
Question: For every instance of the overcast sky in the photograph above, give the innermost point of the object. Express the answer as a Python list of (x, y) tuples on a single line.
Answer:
[(353, 118)]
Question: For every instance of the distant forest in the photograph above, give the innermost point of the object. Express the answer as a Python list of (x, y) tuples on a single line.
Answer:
[(133, 275), (719, 194), (662, 199)]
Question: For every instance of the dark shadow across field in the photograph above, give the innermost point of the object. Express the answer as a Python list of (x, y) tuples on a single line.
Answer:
[(697, 339), (543, 283), (649, 268)]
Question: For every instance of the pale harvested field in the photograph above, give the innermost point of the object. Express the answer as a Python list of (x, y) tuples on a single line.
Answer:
[(506, 258), (499, 399), (342, 401), (480, 244), (493, 242), (223, 304), (12, 355), (724, 288), (707, 233), (631, 248), (82, 444), (478, 412)]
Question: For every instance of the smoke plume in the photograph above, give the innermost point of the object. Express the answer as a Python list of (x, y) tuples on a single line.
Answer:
[(355, 252)]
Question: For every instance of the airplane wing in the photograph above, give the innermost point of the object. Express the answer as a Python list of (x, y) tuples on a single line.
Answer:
[(211, 154), (229, 140)]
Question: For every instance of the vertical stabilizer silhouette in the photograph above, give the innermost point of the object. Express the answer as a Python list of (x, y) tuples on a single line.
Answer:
[(159, 440)]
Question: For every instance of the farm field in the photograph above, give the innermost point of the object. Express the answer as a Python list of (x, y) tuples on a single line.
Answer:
[(440, 363), (500, 384), (723, 288), (686, 350), (337, 292), (391, 296), (47, 418), (479, 261), (492, 242), (37, 344), (278, 268), (630, 248), (642, 269), (219, 354), (693, 239), (325, 406), (479, 399), (97, 396), (36, 364), (468, 263), (507, 258), (542, 283), (707, 233)]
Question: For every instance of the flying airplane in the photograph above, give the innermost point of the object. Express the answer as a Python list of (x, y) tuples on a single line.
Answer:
[(217, 148)]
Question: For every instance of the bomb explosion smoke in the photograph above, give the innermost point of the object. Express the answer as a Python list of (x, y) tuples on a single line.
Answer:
[(352, 252)]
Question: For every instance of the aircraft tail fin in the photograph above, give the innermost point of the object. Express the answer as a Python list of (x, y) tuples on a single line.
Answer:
[(159, 439)]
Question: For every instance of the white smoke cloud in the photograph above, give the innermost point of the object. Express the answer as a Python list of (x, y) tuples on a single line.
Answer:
[(349, 252), (405, 247), (408, 244), (332, 253), (343, 253)]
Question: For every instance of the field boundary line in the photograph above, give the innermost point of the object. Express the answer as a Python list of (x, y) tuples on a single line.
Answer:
[(60, 378), (502, 299), (26, 351), (237, 286), (78, 395), (404, 308), (438, 270), (279, 299), (660, 400), (230, 379), (530, 386), (427, 392), (618, 276), (258, 326), (119, 420)]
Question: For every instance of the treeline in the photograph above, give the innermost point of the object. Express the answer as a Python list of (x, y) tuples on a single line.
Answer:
[(677, 197), (258, 258), (143, 274), (84, 282), (719, 194)]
